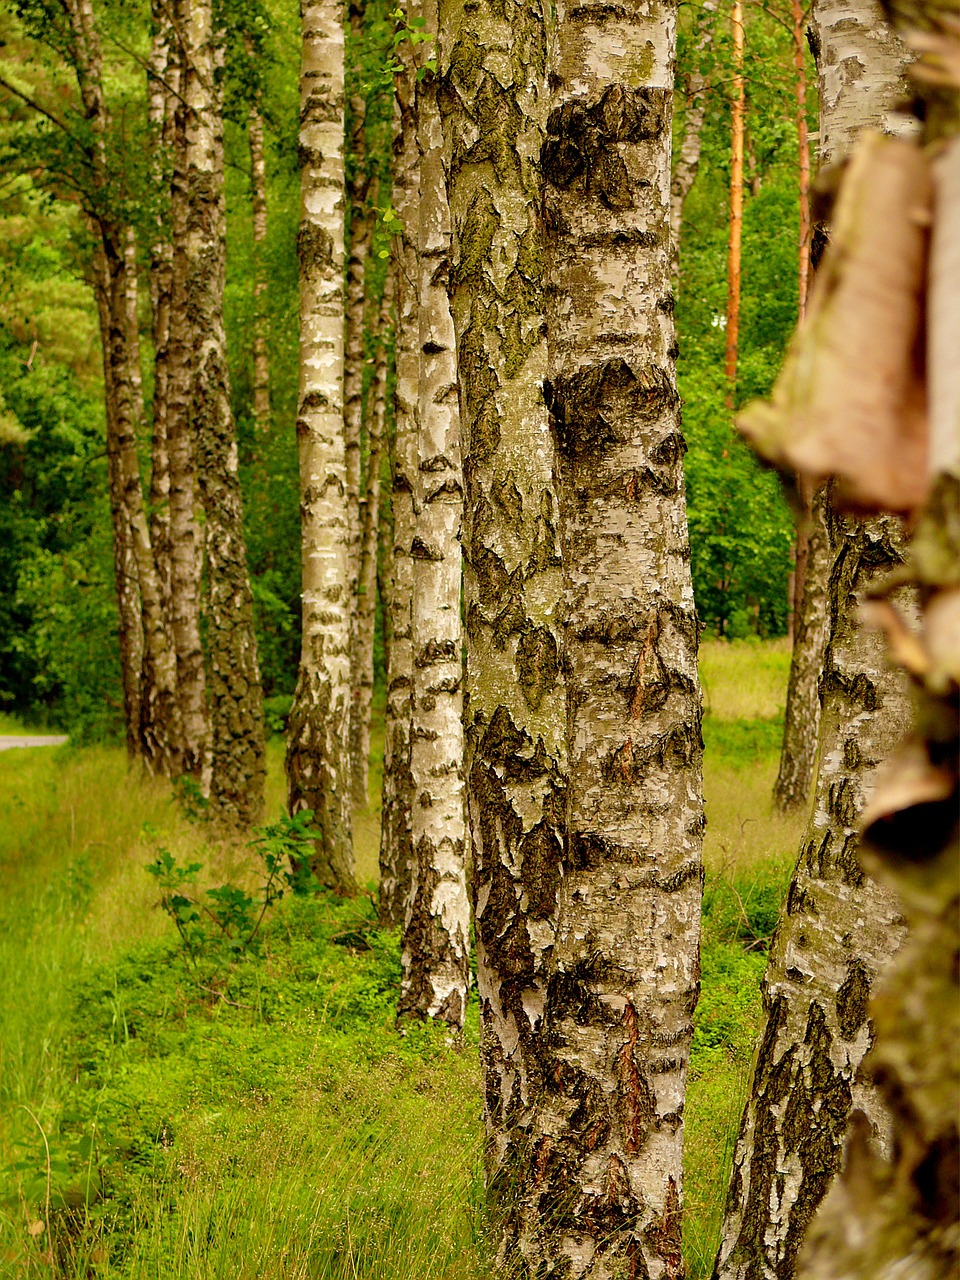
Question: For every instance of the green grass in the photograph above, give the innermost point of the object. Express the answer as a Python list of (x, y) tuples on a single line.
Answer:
[(272, 1122)]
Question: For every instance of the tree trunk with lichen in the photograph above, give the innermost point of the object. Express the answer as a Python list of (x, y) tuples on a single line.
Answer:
[(626, 957), (317, 764), (860, 66), (436, 935), (493, 98), (237, 754), (837, 933), (688, 161), (396, 850), (893, 1215), (361, 665)]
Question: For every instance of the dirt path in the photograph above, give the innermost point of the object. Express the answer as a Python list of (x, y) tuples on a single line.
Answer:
[(8, 741)]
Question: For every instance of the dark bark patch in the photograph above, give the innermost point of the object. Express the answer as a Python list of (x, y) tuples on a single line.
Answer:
[(600, 405), (419, 550), (540, 854), (314, 246), (852, 997), (537, 663)]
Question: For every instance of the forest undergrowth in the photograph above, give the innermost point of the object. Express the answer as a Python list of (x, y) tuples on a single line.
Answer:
[(252, 1112)]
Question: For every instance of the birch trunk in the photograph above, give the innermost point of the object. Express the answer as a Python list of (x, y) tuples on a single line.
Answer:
[(493, 59), (237, 759), (186, 548), (860, 69), (435, 953), (626, 955), (396, 849), (317, 765), (840, 927), (162, 88), (688, 161), (736, 208), (896, 1218), (261, 319), (362, 664)]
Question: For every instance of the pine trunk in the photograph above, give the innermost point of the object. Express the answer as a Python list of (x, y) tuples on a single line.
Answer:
[(362, 664), (261, 320), (396, 849), (493, 59), (436, 948), (237, 757), (626, 955), (317, 765), (688, 161), (736, 208), (839, 929)]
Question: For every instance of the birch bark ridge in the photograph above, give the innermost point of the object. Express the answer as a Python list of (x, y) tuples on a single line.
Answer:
[(626, 956), (493, 100), (317, 765)]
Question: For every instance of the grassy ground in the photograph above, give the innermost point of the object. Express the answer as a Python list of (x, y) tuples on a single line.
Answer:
[(260, 1117)]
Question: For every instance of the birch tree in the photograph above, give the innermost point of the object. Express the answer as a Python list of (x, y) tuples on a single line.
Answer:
[(396, 850), (237, 758), (608, 1167), (261, 319), (319, 725), (493, 60), (436, 950), (688, 161)]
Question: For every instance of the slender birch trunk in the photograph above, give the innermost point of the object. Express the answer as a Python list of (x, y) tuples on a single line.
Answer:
[(261, 319), (803, 152), (237, 759), (396, 849), (840, 926), (626, 956), (317, 764), (896, 1215), (436, 947), (736, 207), (162, 88), (688, 162), (185, 540), (493, 60), (362, 664)]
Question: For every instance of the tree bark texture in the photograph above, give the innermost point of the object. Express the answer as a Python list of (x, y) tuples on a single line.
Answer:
[(185, 539), (396, 848), (801, 722), (688, 162), (237, 754), (895, 1214), (261, 318), (493, 98), (803, 152), (838, 931), (626, 956), (361, 665), (317, 764), (163, 85), (860, 64), (738, 110), (158, 730), (436, 935)]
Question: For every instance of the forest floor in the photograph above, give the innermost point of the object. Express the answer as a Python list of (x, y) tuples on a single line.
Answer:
[(253, 1113)]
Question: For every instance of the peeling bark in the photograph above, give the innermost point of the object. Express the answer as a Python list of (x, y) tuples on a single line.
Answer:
[(317, 772), (396, 850), (237, 754), (494, 104), (436, 947), (626, 957), (361, 665)]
